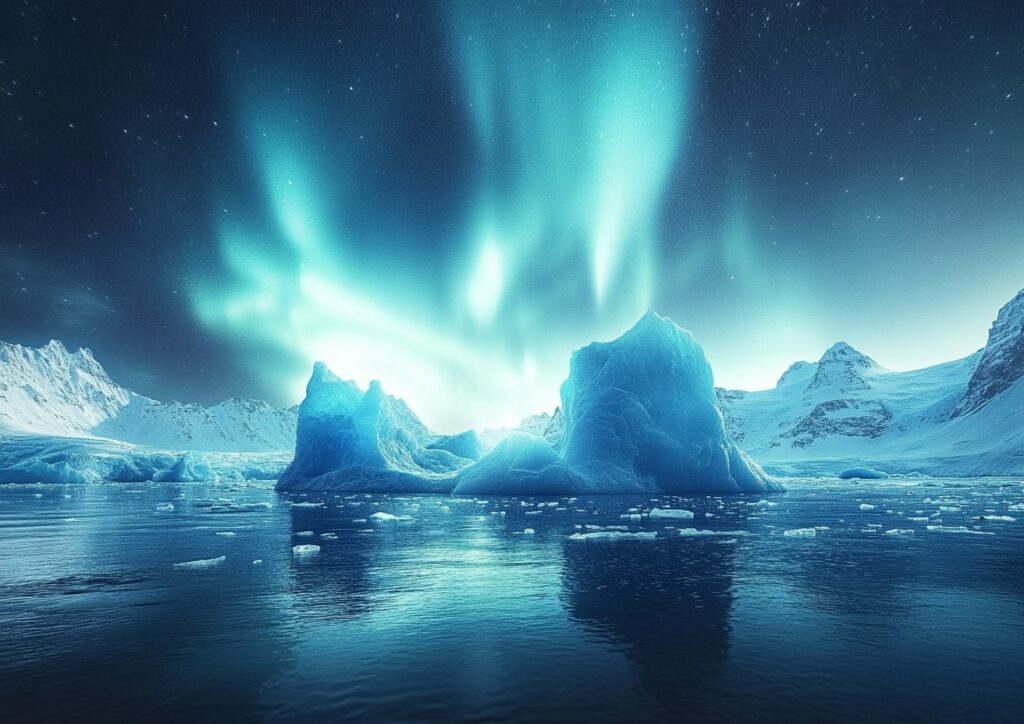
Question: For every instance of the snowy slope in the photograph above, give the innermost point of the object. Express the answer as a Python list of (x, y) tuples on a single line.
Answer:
[(961, 417), (51, 391)]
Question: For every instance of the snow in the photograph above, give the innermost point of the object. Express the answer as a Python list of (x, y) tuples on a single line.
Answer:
[(959, 418), (50, 391), (200, 564)]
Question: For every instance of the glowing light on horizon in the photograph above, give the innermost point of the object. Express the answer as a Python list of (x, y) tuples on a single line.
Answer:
[(575, 145)]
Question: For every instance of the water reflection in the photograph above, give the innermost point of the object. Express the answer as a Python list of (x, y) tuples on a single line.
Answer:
[(665, 603)]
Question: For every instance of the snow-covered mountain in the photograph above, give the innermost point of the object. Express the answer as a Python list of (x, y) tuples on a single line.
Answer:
[(960, 417), (1002, 361), (53, 392)]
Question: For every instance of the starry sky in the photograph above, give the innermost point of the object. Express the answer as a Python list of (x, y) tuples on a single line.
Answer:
[(450, 197)]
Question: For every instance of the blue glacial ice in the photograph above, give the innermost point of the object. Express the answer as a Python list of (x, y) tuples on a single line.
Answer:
[(369, 441), (638, 415)]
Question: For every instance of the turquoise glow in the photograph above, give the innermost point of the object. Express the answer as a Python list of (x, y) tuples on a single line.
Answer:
[(573, 142)]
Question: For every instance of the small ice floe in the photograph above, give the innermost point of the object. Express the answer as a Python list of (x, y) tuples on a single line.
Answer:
[(1017, 507), (917, 519), (307, 504), (765, 504), (612, 535), (200, 564), (957, 529), (949, 508), (866, 506), (996, 518), (305, 550), (670, 514), (800, 533), (305, 533), (382, 517), (528, 531), (258, 562), (704, 533), (631, 517), (238, 507), (899, 531), (226, 533), (328, 536), (165, 508), (359, 520), (210, 502)]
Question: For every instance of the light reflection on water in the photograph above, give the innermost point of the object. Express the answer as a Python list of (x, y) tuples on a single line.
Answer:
[(458, 615)]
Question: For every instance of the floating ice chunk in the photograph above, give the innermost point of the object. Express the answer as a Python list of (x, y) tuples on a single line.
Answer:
[(997, 518), (1017, 507), (918, 519), (307, 504), (957, 529), (765, 504), (528, 531), (866, 506), (200, 564), (671, 514), (704, 533), (612, 535), (165, 508), (329, 536), (631, 517), (800, 533), (382, 517), (305, 550), (226, 533), (899, 531), (949, 508), (258, 562), (305, 533)]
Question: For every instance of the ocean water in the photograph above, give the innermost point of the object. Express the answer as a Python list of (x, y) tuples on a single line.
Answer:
[(455, 614)]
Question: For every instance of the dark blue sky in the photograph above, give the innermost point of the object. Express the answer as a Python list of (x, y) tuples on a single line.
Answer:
[(451, 197)]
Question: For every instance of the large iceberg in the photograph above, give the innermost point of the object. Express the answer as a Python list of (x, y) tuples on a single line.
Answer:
[(638, 415), (369, 441)]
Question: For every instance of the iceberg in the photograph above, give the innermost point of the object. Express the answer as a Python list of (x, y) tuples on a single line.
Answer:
[(357, 441), (669, 514), (862, 472), (200, 564), (638, 415)]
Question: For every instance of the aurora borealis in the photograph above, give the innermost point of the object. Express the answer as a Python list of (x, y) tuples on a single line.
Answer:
[(452, 197)]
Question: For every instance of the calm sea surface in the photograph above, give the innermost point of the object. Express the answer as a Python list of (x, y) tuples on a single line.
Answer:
[(456, 614)]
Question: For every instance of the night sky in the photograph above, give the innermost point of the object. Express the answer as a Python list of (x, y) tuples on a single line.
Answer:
[(452, 197)]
